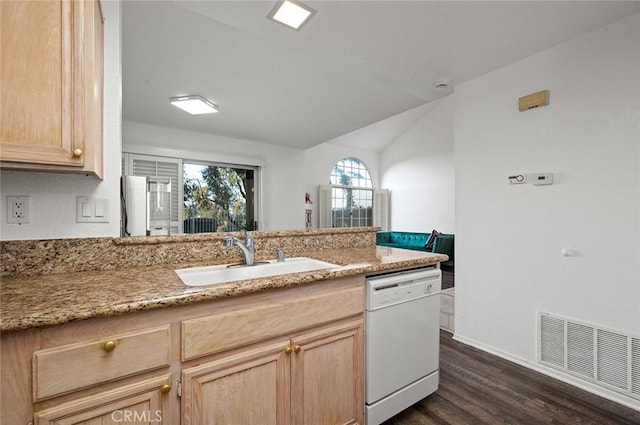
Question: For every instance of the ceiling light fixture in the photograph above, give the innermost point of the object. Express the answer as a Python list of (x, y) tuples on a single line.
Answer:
[(194, 104), (291, 13)]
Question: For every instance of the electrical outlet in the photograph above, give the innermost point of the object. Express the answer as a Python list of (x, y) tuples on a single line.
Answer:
[(17, 209)]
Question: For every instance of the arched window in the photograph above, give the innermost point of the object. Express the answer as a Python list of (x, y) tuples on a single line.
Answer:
[(351, 194), (350, 172)]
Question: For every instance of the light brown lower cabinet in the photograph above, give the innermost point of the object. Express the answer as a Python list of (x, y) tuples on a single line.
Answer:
[(327, 376), (310, 378), (139, 403), (285, 357), (248, 387)]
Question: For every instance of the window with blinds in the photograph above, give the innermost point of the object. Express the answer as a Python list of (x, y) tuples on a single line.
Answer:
[(151, 166)]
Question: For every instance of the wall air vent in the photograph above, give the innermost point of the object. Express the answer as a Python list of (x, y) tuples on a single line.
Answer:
[(580, 355), (608, 358), (552, 340), (635, 366)]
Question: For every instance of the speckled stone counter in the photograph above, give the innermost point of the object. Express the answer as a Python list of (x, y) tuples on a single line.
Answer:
[(38, 257), (46, 300)]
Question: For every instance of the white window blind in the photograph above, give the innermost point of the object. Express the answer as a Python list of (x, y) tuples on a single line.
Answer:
[(151, 166)]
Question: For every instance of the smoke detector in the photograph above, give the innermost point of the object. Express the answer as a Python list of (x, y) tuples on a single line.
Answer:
[(441, 85)]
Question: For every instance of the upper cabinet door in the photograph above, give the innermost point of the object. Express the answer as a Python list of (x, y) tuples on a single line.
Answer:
[(51, 80)]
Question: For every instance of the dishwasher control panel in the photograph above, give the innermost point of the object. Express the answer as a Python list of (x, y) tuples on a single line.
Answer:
[(388, 290)]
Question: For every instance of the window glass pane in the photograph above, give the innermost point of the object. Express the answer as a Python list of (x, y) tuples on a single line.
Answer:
[(350, 172), (352, 194), (218, 198)]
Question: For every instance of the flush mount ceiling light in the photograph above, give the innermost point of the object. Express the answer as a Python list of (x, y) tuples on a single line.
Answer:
[(291, 13), (194, 104)]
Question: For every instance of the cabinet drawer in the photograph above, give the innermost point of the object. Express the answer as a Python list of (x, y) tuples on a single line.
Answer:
[(142, 402), (212, 334), (62, 369)]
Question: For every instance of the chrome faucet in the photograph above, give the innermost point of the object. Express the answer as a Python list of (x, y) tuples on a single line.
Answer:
[(247, 247)]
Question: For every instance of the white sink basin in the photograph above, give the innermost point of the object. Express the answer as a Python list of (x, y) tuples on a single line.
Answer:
[(213, 275)]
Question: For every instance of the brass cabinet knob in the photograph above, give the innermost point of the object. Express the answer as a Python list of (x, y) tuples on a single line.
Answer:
[(109, 346), (165, 389), (288, 350), (77, 152), (297, 348)]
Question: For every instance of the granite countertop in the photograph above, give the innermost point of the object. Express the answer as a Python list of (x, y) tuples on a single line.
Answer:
[(47, 300)]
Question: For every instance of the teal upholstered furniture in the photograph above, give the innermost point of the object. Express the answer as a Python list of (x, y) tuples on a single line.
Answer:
[(443, 244)]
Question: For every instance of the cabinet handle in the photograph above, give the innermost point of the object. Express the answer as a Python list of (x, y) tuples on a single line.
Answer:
[(165, 389), (77, 152), (109, 346), (288, 350), (296, 348)]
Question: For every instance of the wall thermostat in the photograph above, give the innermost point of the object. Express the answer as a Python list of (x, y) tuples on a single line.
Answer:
[(518, 179), (542, 179)]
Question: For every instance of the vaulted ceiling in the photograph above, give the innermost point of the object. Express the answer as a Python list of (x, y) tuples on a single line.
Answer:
[(355, 63)]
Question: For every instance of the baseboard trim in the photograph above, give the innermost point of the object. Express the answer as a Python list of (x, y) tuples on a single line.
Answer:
[(552, 373)]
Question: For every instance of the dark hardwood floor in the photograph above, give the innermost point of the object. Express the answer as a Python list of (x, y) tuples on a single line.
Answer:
[(479, 388)]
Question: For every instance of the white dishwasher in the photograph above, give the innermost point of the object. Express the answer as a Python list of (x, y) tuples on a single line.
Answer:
[(402, 337)]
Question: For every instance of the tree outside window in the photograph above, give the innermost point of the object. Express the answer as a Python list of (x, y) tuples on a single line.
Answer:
[(218, 198)]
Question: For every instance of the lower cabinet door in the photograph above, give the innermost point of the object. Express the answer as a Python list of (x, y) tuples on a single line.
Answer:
[(139, 403), (327, 376), (248, 387)]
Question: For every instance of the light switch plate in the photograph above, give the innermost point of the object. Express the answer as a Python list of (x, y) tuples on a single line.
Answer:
[(92, 210)]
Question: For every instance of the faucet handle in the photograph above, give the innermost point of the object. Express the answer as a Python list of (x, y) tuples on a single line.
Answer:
[(281, 255), (249, 240)]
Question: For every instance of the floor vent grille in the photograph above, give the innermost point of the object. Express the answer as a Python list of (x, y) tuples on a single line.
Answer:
[(608, 358)]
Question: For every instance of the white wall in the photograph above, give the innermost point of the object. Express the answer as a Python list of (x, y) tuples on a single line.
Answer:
[(281, 166), (418, 168), (509, 238), (287, 173), (53, 196)]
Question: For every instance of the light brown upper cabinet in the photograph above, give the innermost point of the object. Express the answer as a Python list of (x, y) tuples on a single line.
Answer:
[(51, 86)]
